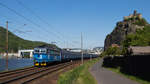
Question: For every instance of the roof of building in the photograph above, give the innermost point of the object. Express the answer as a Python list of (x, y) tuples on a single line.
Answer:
[(139, 50)]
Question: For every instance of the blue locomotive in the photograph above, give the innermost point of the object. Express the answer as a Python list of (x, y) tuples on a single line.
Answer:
[(44, 55)]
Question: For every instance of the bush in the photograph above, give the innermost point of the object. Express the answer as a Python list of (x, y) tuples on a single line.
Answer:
[(113, 51), (141, 22), (141, 38)]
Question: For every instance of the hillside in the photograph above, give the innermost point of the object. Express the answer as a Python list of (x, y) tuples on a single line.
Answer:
[(134, 24), (140, 38), (16, 42)]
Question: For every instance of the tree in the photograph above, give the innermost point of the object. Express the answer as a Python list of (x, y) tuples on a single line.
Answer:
[(113, 51)]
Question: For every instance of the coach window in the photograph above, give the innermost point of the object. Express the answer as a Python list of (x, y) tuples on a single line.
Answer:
[(43, 51)]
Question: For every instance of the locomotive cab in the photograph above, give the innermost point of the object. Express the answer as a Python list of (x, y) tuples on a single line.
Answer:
[(43, 56), (40, 57)]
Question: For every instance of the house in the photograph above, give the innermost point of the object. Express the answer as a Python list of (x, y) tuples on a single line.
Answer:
[(139, 50)]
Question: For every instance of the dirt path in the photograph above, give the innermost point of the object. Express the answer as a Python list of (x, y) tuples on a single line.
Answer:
[(104, 76)]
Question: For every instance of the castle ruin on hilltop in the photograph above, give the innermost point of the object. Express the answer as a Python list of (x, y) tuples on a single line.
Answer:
[(134, 15), (128, 26)]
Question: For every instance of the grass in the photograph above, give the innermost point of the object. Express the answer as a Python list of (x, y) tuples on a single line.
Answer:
[(79, 75), (117, 70)]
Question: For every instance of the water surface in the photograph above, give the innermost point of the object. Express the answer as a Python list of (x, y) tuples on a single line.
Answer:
[(15, 63)]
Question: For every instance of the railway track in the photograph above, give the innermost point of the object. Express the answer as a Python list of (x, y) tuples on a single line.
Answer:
[(26, 75), (2, 74)]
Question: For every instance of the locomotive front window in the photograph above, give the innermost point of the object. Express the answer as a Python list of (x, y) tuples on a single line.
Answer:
[(36, 51), (39, 50)]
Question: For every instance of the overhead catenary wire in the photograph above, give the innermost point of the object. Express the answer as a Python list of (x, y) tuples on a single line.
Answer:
[(13, 29), (12, 10), (37, 16), (59, 34), (37, 25)]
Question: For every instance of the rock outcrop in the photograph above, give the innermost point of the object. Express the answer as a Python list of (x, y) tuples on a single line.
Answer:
[(129, 25)]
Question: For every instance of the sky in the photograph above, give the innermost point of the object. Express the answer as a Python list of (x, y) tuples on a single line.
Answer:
[(62, 21)]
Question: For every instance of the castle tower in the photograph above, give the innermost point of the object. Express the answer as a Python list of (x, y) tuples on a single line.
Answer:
[(135, 13)]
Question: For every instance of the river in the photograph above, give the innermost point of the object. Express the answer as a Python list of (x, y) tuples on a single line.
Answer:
[(15, 63)]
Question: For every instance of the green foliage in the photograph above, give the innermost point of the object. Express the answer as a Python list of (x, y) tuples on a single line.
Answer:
[(141, 38), (112, 51), (16, 42), (129, 19), (103, 54), (124, 51), (70, 76), (138, 21), (141, 81), (141, 22), (79, 75)]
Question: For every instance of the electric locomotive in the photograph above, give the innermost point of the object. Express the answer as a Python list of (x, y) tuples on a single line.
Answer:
[(44, 55)]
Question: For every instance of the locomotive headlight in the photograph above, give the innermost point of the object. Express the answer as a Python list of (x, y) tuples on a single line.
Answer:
[(37, 64)]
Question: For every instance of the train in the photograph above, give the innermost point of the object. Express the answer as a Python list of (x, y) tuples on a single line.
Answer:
[(44, 55)]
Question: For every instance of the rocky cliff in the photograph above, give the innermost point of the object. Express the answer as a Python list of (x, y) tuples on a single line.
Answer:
[(129, 25)]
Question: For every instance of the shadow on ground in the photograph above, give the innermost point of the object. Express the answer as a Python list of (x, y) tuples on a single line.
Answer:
[(131, 65)]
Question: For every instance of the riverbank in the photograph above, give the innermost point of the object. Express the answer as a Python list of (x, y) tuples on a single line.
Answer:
[(79, 75)]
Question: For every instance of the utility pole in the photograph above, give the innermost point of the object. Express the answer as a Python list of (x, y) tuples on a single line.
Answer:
[(81, 48), (67, 45), (7, 45), (90, 57)]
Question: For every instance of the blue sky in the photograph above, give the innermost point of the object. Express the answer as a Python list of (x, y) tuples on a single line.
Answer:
[(64, 20)]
